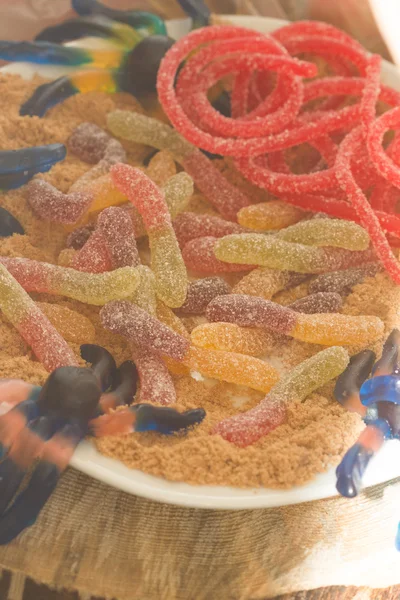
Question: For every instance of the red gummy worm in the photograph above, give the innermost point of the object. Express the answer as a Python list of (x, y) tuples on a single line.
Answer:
[(94, 256), (226, 197), (142, 329), (144, 194), (251, 311), (111, 246), (156, 385), (368, 218), (246, 428), (116, 226), (189, 226)]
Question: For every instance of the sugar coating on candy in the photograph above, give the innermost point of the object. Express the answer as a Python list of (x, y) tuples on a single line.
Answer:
[(246, 428), (266, 282), (320, 302), (232, 338), (189, 226), (254, 248), (222, 194), (268, 216), (89, 142), (251, 311), (270, 251), (169, 268), (104, 193), (161, 168), (341, 282), (227, 198), (181, 113), (178, 190), (166, 258), (145, 294), (144, 195), (50, 204), (141, 129), (116, 227), (92, 144), (32, 324), (199, 255), (327, 232), (169, 318), (326, 329), (142, 329), (90, 288), (111, 246), (332, 329), (232, 368), (78, 238), (70, 324), (383, 162), (370, 93), (368, 218), (94, 257), (201, 292), (156, 385), (342, 210)]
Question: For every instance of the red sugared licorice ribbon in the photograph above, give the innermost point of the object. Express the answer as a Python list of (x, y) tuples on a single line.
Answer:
[(382, 162), (365, 212), (182, 122)]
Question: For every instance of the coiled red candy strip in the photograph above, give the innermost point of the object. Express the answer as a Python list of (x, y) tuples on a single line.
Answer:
[(365, 212)]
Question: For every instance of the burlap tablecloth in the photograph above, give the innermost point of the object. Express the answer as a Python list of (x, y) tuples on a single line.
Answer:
[(98, 541)]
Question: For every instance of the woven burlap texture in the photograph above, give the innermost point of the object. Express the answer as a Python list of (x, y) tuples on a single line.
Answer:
[(95, 539)]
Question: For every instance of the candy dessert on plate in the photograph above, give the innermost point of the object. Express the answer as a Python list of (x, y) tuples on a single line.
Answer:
[(198, 257)]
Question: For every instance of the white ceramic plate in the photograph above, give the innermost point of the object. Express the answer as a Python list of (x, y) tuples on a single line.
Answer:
[(384, 467)]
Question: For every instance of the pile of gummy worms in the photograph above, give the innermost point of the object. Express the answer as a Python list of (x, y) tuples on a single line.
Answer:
[(277, 102)]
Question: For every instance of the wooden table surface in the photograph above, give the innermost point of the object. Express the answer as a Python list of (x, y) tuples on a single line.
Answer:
[(40, 592)]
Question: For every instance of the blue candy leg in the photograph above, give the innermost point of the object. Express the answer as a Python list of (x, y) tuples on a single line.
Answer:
[(142, 21), (28, 504), (351, 470), (388, 363), (197, 10), (103, 363), (43, 53), (18, 166), (28, 446), (348, 384), (73, 29), (165, 420), (146, 417), (14, 421), (123, 388), (353, 466), (384, 388)]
